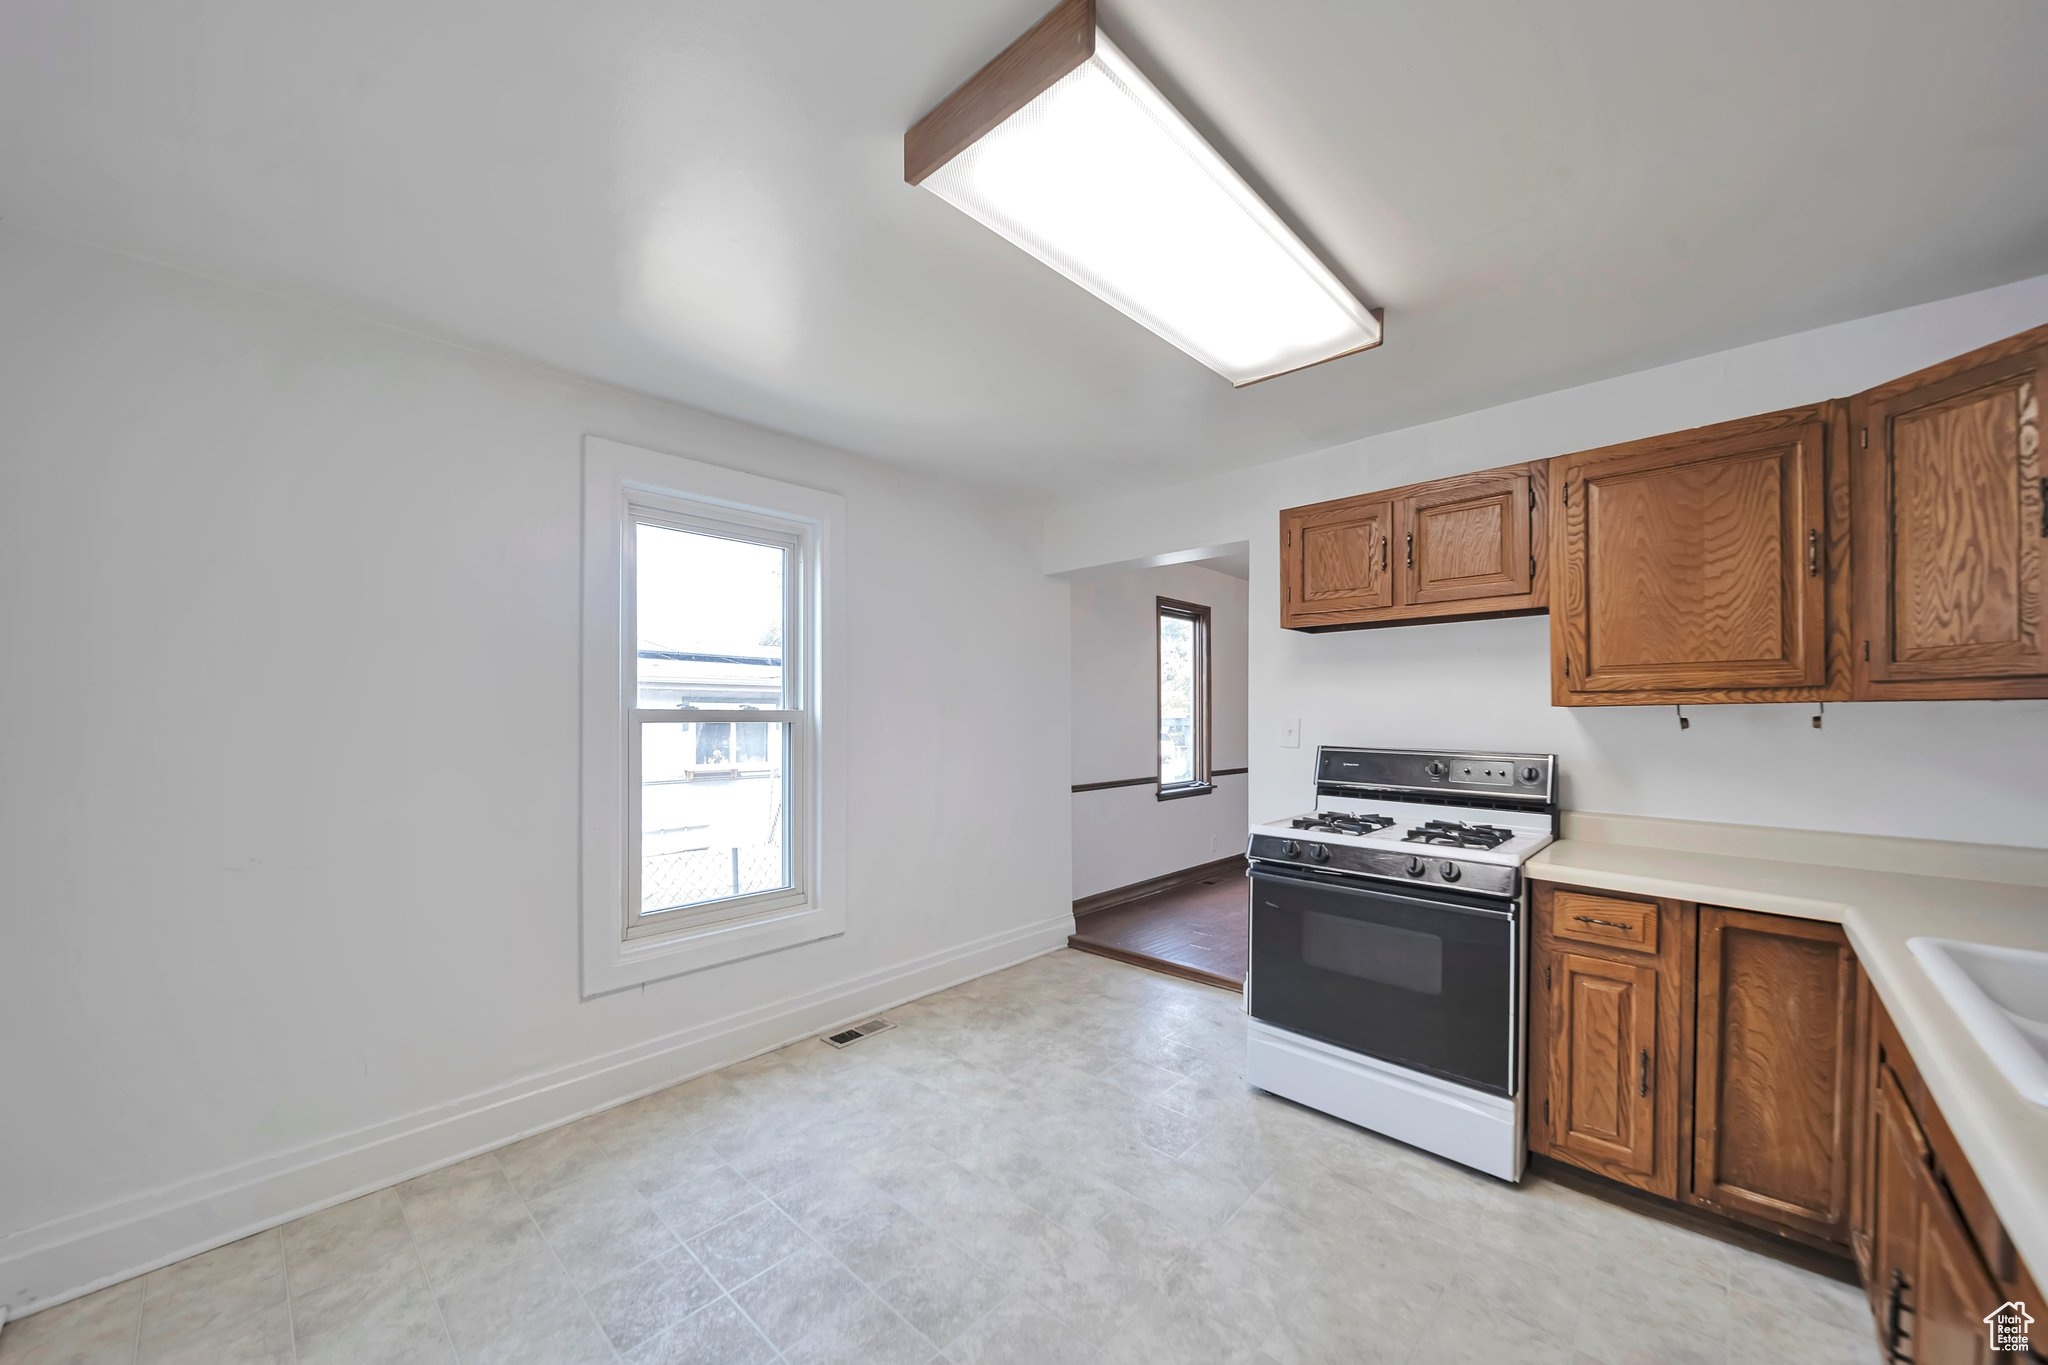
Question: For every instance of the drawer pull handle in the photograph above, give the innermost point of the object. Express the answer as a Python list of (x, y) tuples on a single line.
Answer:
[(1605, 923)]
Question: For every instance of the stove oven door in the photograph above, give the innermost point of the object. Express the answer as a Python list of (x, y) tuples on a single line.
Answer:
[(1422, 979)]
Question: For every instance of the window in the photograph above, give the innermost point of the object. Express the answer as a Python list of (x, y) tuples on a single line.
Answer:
[(708, 655), (1183, 699)]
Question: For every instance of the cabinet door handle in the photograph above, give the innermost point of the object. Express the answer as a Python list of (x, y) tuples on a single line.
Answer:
[(1604, 923), (1813, 554), (2044, 509), (1383, 554), (1411, 549), (1643, 1072), (1894, 1315)]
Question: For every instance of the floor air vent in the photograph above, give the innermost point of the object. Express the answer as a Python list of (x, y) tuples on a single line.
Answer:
[(857, 1032)]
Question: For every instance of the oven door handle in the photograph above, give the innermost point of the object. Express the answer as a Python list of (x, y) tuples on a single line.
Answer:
[(1376, 891)]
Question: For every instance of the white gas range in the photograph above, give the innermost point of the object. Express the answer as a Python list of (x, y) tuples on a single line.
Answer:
[(1388, 946)]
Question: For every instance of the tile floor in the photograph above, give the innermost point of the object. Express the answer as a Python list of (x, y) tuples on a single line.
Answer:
[(1057, 1163)]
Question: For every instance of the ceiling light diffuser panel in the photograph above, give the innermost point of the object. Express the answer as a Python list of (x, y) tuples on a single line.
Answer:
[(1062, 147)]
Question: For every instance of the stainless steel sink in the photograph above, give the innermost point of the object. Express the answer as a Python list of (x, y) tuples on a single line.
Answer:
[(2002, 996)]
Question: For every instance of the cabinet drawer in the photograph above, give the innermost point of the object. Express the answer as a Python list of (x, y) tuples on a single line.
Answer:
[(1604, 920)]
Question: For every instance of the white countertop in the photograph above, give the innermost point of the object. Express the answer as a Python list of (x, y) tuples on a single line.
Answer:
[(2004, 1136)]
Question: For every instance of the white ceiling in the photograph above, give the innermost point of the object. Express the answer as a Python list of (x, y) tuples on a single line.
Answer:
[(705, 201)]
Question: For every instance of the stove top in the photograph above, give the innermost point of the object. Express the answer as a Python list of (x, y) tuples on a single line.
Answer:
[(1505, 839), (1440, 818)]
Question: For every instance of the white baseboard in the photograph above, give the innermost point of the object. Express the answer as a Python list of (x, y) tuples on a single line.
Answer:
[(78, 1253)]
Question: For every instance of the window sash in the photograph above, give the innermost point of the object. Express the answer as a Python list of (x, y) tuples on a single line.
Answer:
[(647, 509), (640, 924), (651, 509)]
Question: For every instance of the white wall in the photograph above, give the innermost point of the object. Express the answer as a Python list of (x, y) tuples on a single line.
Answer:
[(288, 739), (1124, 835), (1953, 770)]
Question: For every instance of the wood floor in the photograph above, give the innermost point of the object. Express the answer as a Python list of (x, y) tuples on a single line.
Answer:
[(1196, 931)]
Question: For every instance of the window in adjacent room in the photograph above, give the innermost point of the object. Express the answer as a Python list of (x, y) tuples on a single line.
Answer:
[(1183, 698), (708, 653)]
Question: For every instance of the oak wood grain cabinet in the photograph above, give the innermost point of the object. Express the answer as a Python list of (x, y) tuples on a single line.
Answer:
[(1703, 566), (1336, 560), (1939, 1258), (1603, 1050), (1802, 1112), (1774, 1072), (1604, 1030), (1470, 545), (1951, 528)]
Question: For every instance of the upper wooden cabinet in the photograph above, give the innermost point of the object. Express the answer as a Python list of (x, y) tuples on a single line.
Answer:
[(1893, 545), (1467, 538), (1951, 569), (1465, 546), (1700, 567), (1337, 559)]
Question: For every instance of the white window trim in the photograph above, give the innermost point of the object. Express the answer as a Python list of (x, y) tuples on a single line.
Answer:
[(613, 473)]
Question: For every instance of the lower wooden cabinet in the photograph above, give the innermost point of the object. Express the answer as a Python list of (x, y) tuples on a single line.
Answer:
[(1939, 1260), (1701, 1054), (1741, 1063), (1604, 1045), (1774, 1067), (1604, 1030), (1928, 1287)]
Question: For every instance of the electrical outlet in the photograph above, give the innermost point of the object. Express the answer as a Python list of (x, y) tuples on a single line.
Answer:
[(1290, 734), (1212, 843)]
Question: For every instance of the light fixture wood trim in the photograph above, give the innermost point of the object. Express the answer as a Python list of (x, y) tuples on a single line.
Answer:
[(1019, 74), (1379, 316)]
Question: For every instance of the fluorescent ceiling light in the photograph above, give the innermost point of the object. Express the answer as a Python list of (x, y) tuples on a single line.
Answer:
[(1064, 148)]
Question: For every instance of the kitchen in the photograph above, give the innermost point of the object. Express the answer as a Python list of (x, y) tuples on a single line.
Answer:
[(1753, 999), (984, 684)]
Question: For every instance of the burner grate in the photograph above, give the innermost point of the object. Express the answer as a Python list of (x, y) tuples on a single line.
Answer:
[(1458, 834), (1337, 823)]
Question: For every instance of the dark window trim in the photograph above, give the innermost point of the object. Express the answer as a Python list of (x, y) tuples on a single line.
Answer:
[(1214, 773), (1202, 784)]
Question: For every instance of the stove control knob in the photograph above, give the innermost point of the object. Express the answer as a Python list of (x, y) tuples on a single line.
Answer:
[(1318, 854), (1436, 769), (1415, 867), (1450, 871), (1292, 848), (1532, 773)]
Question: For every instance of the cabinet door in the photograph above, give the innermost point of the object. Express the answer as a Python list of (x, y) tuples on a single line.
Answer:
[(1774, 1071), (1863, 1129), (1336, 558), (1952, 1293), (1949, 489), (1901, 1158), (1465, 538), (1695, 566), (1602, 1058)]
